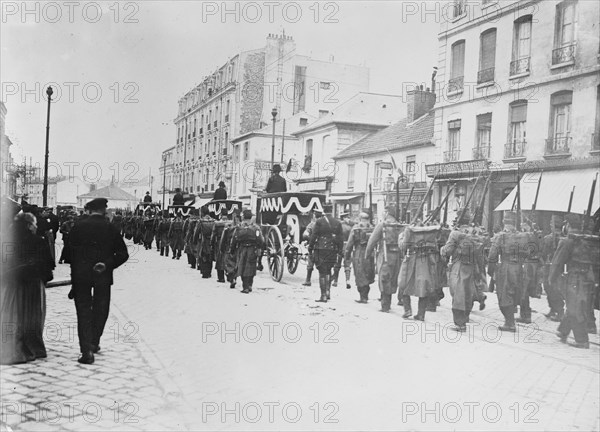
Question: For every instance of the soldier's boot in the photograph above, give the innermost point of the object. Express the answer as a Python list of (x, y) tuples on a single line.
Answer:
[(421, 308), (347, 272), (407, 307), (431, 304), (386, 302), (221, 276), (366, 292), (328, 286), (308, 276), (162, 252), (509, 319), (334, 279), (361, 292), (323, 287)]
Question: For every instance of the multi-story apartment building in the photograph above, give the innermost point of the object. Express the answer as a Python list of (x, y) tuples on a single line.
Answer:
[(518, 86), (239, 97)]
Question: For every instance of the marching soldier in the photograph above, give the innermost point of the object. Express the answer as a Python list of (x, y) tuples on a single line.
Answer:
[(364, 267), (176, 236), (346, 228), (326, 243), (575, 257), (465, 248), (204, 230), (157, 221), (507, 254), (248, 243), (229, 256), (306, 237), (556, 302), (163, 229), (385, 237), (117, 221), (215, 241), (148, 232), (419, 270), (188, 232)]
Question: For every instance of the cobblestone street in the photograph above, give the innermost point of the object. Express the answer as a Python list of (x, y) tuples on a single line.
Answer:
[(180, 352)]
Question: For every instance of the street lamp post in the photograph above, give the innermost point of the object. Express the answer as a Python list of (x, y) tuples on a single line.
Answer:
[(164, 177), (274, 114), (45, 190)]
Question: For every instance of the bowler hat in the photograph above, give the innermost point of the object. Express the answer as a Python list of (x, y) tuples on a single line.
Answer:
[(276, 168), (247, 214), (97, 204), (221, 184)]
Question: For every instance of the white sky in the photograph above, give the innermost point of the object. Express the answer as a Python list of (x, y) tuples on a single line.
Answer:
[(171, 47)]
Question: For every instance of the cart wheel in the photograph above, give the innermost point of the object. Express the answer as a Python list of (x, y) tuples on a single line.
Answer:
[(291, 258), (275, 253)]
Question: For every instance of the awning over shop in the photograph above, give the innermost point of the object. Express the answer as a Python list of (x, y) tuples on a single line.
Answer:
[(555, 191)]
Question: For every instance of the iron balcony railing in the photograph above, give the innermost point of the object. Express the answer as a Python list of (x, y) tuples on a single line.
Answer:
[(514, 149), (564, 54), (481, 153), (456, 84), (485, 75), (559, 144), (451, 155), (520, 66)]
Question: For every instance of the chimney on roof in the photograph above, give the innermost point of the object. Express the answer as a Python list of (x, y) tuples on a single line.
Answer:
[(418, 103)]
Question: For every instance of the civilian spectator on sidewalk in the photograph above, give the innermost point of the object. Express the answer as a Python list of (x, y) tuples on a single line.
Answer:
[(26, 269), (97, 248)]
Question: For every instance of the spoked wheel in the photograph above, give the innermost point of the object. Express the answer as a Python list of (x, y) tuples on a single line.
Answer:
[(291, 258), (275, 253)]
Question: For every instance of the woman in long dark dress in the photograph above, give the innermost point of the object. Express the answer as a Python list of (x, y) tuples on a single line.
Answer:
[(29, 266)]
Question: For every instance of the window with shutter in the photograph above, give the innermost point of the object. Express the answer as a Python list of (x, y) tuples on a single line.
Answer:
[(458, 59), (515, 148), (560, 123), (487, 56)]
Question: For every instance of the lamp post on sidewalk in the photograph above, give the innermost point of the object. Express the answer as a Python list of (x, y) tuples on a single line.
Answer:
[(49, 92), (274, 114)]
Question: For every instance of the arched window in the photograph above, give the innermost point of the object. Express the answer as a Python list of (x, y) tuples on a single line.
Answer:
[(487, 56)]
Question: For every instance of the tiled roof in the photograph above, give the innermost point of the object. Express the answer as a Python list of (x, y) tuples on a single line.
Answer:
[(109, 192), (364, 108), (397, 136)]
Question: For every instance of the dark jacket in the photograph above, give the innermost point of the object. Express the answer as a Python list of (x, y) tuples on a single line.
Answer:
[(327, 240), (276, 183), (95, 240), (220, 194), (178, 199)]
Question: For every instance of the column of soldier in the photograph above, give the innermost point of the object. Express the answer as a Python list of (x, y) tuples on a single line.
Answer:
[(415, 259)]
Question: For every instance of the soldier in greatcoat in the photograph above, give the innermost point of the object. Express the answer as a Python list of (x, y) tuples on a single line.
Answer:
[(326, 243), (310, 265), (573, 262), (508, 252), (204, 231), (385, 238), (215, 241), (248, 243), (176, 236), (229, 256), (355, 252), (163, 229), (346, 228), (556, 302), (419, 271), (188, 247), (465, 249), (148, 232)]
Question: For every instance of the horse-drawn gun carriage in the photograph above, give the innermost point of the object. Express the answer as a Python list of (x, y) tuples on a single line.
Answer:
[(147, 209), (283, 217)]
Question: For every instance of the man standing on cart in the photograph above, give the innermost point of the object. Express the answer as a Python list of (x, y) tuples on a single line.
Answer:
[(276, 183)]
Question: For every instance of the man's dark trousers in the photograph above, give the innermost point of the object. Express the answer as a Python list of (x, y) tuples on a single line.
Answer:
[(92, 313)]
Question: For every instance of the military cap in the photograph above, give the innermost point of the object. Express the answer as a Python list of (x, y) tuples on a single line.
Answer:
[(276, 168), (247, 214), (510, 217), (97, 204)]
